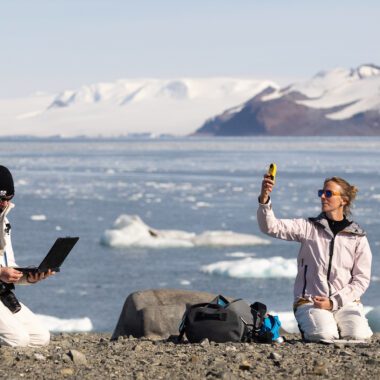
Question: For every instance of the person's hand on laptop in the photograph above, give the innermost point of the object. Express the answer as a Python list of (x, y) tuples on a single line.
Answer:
[(33, 278), (9, 275)]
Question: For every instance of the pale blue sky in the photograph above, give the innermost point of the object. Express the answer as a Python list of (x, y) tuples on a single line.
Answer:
[(51, 45)]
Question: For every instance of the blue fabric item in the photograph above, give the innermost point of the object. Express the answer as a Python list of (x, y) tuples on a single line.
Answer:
[(221, 302), (271, 323)]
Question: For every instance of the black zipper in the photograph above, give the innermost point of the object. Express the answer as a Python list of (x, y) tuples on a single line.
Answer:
[(330, 262), (304, 282)]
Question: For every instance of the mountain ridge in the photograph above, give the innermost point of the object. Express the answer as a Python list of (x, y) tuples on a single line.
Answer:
[(335, 102), (127, 106)]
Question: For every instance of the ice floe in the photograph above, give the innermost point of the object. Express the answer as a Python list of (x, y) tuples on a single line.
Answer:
[(131, 231), (272, 267), (55, 324), (38, 218), (240, 254)]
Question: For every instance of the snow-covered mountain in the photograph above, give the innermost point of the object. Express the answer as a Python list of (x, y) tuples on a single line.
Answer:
[(128, 106), (336, 102)]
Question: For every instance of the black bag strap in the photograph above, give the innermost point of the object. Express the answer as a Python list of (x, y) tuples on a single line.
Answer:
[(258, 311), (182, 327)]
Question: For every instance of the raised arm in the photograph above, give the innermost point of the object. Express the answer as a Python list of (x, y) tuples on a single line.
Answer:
[(286, 229)]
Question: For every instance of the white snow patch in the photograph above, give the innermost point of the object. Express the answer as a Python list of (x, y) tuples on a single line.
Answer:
[(354, 90)]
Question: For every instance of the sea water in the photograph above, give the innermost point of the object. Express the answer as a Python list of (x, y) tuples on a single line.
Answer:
[(174, 213)]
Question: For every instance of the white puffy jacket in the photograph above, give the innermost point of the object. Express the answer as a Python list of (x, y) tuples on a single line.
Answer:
[(7, 258)]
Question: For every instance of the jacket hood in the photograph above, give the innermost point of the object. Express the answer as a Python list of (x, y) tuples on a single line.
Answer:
[(353, 228)]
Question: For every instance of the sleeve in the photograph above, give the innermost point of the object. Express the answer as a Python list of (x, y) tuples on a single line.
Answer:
[(361, 275), (10, 257), (11, 262), (285, 229)]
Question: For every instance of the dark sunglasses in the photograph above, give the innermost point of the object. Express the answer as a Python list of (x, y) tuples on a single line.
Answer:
[(6, 199), (328, 193)]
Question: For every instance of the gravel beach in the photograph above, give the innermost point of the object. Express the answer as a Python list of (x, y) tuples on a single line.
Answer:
[(94, 356)]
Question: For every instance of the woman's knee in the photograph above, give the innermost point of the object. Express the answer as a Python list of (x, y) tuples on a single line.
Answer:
[(359, 331), (316, 324), (352, 322)]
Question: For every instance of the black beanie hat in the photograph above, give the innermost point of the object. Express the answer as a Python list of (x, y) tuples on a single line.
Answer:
[(6, 182)]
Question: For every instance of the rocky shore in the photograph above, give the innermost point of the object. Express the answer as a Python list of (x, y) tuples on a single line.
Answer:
[(94, 356)]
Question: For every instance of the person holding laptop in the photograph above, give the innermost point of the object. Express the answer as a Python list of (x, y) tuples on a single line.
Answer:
[(19, 326)]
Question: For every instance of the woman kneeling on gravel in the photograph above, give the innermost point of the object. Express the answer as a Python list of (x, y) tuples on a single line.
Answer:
[(334, 263)]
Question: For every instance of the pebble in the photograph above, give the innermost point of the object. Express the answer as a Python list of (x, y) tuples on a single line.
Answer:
[(245, 366), (77, 357), (320, 368), (38, 356), (345, 353), (205, 343), (275, 356), (67, 371)]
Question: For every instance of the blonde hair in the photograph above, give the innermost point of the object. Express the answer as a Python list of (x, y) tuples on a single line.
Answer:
[(348, 192)]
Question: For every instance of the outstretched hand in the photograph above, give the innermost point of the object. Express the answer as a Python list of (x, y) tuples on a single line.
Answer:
[(322, 303), (33, 278), (266, 188)]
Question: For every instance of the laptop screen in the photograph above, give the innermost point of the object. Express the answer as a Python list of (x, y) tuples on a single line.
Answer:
[(58, 253)]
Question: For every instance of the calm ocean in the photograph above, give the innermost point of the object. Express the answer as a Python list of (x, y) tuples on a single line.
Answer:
[(81, 187)]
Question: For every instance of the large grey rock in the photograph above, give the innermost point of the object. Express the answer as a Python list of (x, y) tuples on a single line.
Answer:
[(156, 313)]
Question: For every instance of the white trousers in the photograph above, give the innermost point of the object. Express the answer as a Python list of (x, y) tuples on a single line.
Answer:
[(349, 322), (21, 329)]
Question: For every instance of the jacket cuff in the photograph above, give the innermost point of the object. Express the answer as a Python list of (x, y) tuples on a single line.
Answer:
[(268, 203), (337, 302)]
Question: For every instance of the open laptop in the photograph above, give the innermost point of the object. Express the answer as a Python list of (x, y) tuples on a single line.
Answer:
[(55, 257)]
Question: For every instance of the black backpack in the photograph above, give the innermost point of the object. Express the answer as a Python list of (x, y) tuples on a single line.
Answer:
[(223, 321)]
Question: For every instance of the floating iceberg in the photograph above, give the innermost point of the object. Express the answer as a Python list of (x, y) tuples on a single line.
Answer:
[(131, 231), (55, 324), (272, 267)]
